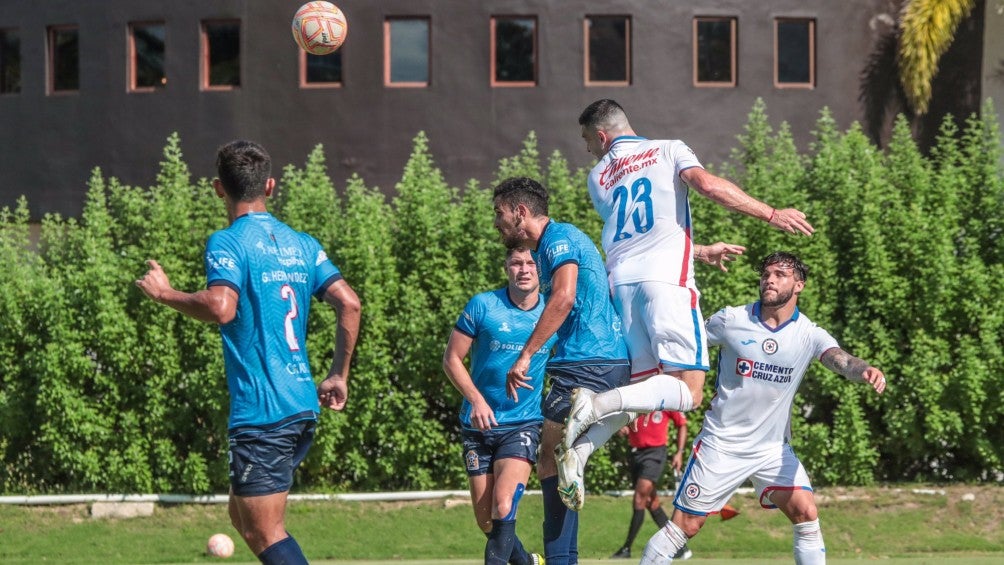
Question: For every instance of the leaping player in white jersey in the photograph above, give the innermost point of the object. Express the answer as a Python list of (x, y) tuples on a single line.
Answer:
[(640, 188), (766, 347)]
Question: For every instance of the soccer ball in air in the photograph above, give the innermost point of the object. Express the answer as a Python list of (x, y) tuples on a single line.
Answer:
[(319, 28), (220, 545)]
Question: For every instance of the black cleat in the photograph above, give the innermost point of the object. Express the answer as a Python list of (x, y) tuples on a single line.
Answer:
[(622, 553)]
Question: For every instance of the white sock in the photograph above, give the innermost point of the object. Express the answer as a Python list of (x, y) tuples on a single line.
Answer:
[(598, 433), (662, 546), (809, 547), (658, 392)]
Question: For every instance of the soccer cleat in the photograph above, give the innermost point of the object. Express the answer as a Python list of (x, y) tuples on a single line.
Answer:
[(571, 488), (537, 559), (580, 416), (683, 554), (622, 553)]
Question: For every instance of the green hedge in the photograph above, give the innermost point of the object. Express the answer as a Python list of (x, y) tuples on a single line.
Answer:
[(103, 390)]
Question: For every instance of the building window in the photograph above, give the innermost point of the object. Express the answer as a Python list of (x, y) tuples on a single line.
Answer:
[(320, 71), (608, 50), (406, 52), (221, 54), (714, 51), (794, 53), (64, 59), (10, 61), (146, 56), (514, 51)]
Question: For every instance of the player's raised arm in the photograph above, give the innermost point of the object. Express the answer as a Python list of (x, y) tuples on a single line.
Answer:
[(718, 253), (727, 194), (853, 368), (216, 304)]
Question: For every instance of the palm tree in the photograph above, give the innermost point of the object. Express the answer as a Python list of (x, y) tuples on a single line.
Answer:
[(927, 30)]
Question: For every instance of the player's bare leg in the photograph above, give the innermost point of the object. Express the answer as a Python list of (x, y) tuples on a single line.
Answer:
[(511, 476), (262, 519), (800, 507), (481, 487)]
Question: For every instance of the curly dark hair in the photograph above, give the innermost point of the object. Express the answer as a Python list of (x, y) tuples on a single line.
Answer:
[(785, 259)]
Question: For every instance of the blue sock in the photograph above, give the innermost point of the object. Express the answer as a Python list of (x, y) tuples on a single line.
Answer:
[(571, 532), (561, 527), (283, 552), (500, 542), (519, 556)]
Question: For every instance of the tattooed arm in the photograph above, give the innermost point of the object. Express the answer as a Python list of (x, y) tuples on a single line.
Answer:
[(843, 363)]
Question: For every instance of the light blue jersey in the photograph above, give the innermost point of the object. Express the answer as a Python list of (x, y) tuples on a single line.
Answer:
[(499, 329), (591, 334), (274, 271)]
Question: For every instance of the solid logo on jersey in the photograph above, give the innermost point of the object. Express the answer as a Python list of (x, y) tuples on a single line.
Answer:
[(472, 460), (617, 168), (769, 346), (744, 367), (557, 249), (221, 261), (693, 491)]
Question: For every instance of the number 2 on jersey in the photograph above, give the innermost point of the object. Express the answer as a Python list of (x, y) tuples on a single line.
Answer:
[(287, 293), (639, 201)]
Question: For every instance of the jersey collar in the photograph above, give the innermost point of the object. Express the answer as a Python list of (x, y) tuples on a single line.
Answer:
[(626, 138), (756, 314)]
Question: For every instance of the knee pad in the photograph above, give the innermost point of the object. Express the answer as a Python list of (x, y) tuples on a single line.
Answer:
[(518, 494)]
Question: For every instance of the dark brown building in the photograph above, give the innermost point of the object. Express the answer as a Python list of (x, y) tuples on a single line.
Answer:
[(104, 82)]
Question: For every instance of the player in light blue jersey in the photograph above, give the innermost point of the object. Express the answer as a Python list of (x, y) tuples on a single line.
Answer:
[(590, 350), (500, 434), (260, 277)]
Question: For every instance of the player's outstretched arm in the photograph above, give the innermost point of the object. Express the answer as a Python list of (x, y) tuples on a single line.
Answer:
[(482, 415), (217, 304), (727, 194), (843, 363), (718, 253), (333, 391)]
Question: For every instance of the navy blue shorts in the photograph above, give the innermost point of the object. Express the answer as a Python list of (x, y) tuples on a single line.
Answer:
[(482, 449), (648, 463), (262, 461), (564, 379)]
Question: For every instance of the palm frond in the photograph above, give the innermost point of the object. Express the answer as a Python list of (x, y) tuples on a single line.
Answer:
[(927, 30)]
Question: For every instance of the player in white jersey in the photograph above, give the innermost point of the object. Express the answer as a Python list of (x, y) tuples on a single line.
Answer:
[(766, 348), (640, 188)]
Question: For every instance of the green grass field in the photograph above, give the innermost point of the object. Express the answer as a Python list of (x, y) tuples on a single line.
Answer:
[(888, 524)]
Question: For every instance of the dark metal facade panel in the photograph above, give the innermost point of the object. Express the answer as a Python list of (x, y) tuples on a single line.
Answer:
[(49, 144)]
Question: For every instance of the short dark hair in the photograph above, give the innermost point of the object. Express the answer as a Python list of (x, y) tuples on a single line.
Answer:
[(514, 191), (517, 249), (243, 168), (785, 259), (598, 112)]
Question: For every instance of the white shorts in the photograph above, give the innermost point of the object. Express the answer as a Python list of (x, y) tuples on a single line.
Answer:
[(663, 326), (712, 477)]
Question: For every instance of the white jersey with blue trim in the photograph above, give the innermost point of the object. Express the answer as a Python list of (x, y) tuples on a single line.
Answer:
[(637, 190), (759, 371)]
